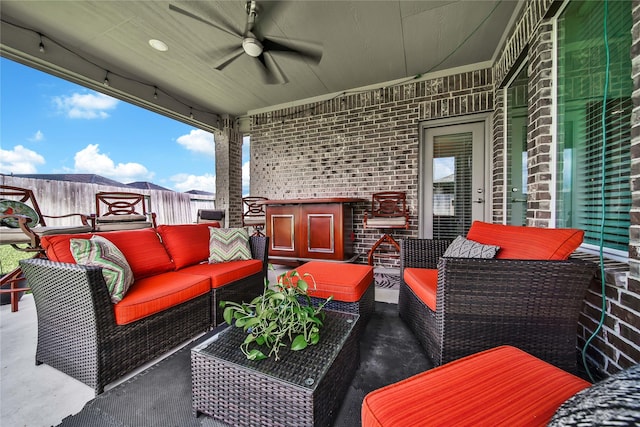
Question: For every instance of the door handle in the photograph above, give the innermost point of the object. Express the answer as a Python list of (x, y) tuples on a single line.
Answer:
[(479, 200), (514, 200)]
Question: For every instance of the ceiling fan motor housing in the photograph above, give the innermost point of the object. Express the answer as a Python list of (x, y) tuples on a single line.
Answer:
[(252, 46)]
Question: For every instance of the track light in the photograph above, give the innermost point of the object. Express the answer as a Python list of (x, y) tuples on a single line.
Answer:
[(190, 113), (155, 92), (106, 79), (41, 45)]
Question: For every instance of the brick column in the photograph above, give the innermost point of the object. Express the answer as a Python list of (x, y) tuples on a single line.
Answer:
[(229, 171), (539, 132)]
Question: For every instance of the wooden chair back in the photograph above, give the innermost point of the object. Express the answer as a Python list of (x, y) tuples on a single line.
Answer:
[(388, 204), (120, 203), (23, 195), (252, 210)]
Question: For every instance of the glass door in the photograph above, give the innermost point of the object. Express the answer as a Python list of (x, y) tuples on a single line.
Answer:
[(454, 191), (517, 117)]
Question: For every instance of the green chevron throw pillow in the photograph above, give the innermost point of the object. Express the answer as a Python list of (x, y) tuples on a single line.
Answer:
[(101, 252), (228, 244)]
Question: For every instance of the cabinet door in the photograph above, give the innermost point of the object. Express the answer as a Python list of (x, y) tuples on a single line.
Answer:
[(281, 228), (321, 231)]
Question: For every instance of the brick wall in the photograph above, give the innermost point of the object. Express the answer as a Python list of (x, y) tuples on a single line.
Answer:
[(364, 142), (229, 172), (359, 143), (617, 345)]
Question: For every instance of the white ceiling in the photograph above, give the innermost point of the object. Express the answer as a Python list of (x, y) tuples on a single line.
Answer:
[(363, 42)]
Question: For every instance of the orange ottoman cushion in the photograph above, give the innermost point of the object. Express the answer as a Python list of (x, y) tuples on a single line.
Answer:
[(346, 282), (501, 386)]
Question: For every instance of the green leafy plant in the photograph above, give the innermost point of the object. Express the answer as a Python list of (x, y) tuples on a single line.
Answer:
[(281, 315)]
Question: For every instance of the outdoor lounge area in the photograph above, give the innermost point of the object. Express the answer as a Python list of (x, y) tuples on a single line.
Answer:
[(459, 178)]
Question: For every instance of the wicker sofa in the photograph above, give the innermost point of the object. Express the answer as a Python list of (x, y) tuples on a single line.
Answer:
[(174, 297), (528, 296)]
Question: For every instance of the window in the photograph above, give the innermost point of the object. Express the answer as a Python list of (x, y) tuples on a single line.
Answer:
[(588, 118)]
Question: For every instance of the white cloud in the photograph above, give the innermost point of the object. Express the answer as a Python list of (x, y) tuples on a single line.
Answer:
[(85, 106), (90, 160), (186, 182), (199, 141), (246, 176), (38, 136), (19, 160)]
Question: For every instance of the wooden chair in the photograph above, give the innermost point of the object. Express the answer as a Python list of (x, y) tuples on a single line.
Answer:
[(254, 214), (388, 211), (22, 224), (122, 211)]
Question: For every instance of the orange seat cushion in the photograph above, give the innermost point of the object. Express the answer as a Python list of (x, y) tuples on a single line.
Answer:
[(502, 386), (518, 242), (346, 282), (424, 283), (223, 273), (187, 244), (158, 293), (142, 248)]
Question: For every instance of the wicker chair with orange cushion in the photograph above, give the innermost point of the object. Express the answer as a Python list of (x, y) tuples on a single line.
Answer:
[(528, 295), (500, 386)]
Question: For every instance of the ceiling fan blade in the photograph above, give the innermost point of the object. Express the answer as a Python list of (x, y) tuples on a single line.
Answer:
[(310, 51), (229, 58), (275, 72), (270, 75), (198, 18)]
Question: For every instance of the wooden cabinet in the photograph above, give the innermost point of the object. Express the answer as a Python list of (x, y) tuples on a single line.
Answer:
[(306, 229)]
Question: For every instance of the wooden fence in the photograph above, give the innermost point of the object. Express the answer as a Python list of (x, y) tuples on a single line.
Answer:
[(63, 197)]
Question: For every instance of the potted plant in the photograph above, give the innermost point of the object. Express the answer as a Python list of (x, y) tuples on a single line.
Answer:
[(281, 316)]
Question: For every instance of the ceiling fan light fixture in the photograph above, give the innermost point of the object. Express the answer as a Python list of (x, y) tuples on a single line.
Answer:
[(252, 47), (158, 45)]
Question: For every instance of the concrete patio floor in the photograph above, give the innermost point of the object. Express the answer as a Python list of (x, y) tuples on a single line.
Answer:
[(39, 396)]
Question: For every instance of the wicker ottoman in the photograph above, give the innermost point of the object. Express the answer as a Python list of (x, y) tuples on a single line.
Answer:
[(351, 285), (501, 386), (302, 389)]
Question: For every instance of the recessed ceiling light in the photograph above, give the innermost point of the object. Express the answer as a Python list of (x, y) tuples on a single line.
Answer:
[(158, 45)]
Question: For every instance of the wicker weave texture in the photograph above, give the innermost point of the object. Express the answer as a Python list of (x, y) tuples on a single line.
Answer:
[(364, 307), (482, 303), (77, 332), (303, 388)]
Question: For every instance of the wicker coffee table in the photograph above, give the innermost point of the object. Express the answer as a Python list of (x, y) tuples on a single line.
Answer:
[(303, 388)]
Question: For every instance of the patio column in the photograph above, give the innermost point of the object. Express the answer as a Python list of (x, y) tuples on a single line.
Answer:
[(228, 143)]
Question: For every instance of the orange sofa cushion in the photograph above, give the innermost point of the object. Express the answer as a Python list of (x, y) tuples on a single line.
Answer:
[(346, 282), (502, 386), (223, 273), (157, 293), (424, 283), (518, 242), (142, 248), (187, 244)]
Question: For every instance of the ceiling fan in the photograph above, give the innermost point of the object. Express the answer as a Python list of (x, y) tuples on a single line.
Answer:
[(256, 45)]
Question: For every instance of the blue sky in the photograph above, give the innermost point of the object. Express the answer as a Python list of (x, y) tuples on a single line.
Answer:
[(49, 125)]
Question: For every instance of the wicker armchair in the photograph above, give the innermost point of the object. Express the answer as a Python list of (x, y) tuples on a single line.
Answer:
[(484, 303)]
